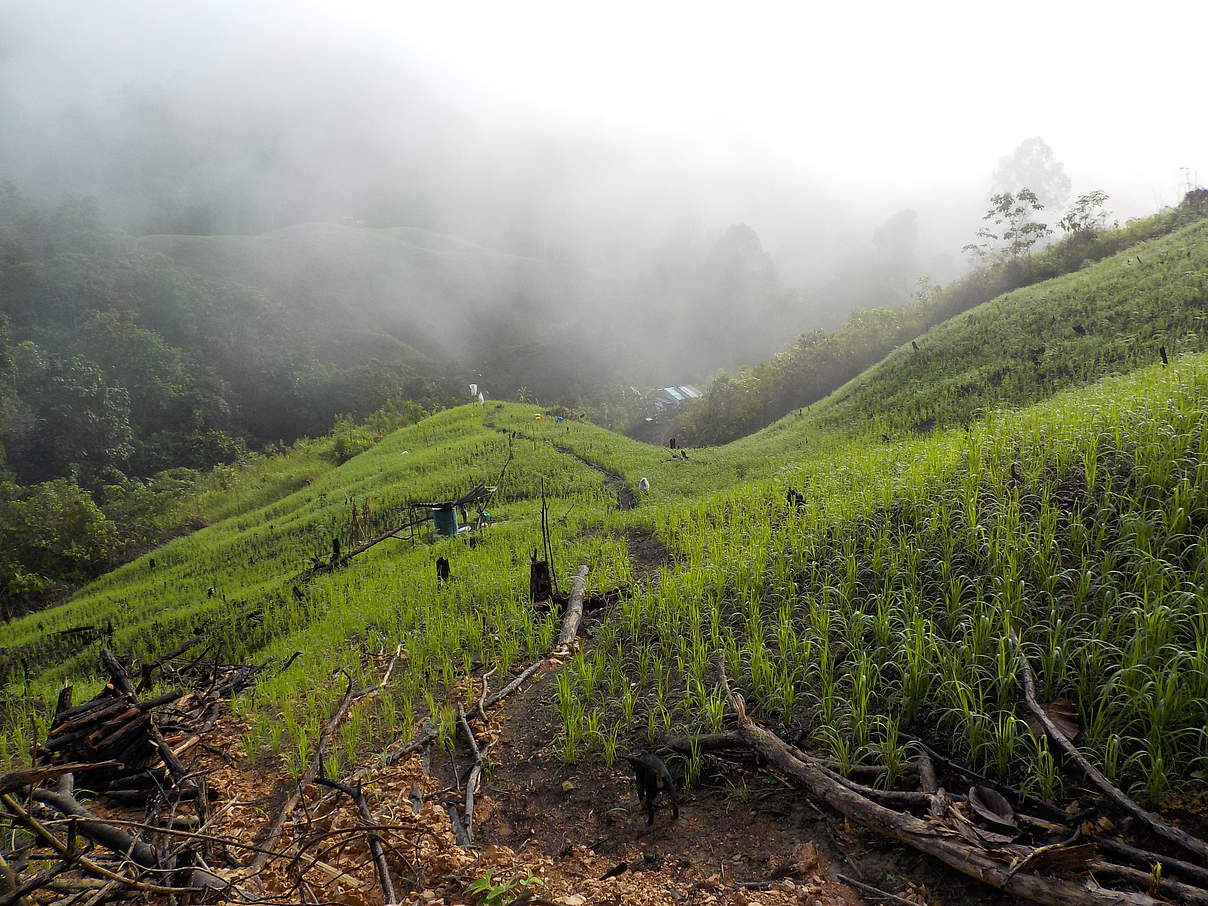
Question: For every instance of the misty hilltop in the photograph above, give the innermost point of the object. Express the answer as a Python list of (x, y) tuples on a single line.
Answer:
[(508, 321)]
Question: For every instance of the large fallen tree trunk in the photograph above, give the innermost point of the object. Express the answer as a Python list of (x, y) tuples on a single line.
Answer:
[(930, 836), (98, 831)]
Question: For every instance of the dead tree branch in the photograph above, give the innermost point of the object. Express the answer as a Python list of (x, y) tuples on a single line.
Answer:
[(931, 835), (375, 842), (1094, 775)]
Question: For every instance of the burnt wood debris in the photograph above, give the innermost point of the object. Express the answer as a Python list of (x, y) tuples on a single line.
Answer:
[(123, 751), (992, 835)]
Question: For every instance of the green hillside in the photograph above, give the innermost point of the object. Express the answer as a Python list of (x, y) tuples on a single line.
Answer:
[(1022, 346), (815, 364), (879, 607)]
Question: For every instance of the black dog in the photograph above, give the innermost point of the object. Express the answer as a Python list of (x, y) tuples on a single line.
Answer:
[(651, 776)]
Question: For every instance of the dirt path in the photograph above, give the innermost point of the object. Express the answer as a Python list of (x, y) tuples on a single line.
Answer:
[(625, 497), (742, 837), (585, 818), (615, 482)]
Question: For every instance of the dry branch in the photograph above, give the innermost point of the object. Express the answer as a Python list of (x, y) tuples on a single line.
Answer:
[(475, 772), (273, 832), (375, 842), (40, 831), (1093, 774), (573, 615), (927, 836), (121, 682)]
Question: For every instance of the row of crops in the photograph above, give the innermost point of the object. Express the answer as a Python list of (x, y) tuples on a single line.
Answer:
[(883, 607)]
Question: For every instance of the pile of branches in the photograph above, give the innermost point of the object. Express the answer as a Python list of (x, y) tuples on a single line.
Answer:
[(999, 835), (71, 839)]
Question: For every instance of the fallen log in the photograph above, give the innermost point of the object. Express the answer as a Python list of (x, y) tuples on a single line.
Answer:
[(927, 836), (573, 615), (98, 831), (1153, 822), (338, 561)]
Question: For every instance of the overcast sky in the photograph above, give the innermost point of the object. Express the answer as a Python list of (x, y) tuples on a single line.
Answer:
[(559, 113)]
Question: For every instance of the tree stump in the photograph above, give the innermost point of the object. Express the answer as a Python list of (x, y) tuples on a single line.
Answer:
[(541, 583)]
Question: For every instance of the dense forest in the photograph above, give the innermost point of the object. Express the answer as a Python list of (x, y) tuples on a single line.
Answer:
[(124, 376)]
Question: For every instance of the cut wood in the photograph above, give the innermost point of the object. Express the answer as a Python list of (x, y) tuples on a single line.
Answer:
[(1094, 775), (573, 615), (121, 682)]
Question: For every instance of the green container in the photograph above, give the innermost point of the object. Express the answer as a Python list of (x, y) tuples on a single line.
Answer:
[(444, 518)]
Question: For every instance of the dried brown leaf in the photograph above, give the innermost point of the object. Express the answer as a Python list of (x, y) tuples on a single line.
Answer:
[(1065, 861), (1063, 714), (989, 805)]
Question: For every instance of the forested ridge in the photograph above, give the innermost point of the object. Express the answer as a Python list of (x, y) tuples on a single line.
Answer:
[(125, 376), (819, 362)]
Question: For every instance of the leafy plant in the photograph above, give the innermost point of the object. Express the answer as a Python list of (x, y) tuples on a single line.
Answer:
[(486, 891)]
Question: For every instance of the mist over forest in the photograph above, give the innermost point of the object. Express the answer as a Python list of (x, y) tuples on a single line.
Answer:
[(249, 119)]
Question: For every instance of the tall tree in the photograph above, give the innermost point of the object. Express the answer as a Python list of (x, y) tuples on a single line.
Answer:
[(1014, 229), (76, 421), (1033, 165)]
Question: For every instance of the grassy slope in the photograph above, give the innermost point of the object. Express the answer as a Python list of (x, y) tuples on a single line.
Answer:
[(1021, 347), (1078, 522)]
